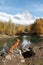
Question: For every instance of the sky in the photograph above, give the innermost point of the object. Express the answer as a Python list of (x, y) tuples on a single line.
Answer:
[(35, 7)]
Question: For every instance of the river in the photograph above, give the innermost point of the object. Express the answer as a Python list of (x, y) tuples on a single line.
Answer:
[(24, 40)]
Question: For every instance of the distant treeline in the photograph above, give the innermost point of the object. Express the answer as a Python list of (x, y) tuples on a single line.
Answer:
[(9, 28)]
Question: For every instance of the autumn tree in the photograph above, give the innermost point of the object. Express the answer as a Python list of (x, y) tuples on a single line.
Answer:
[(20, 29), (37, 27)]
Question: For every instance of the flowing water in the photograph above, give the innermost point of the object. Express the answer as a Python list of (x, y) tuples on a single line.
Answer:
[(25, 41)]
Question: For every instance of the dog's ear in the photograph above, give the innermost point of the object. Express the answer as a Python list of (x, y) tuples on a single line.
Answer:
[(17, 39)]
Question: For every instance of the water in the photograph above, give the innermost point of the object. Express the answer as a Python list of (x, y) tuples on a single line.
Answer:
[(24, 40)]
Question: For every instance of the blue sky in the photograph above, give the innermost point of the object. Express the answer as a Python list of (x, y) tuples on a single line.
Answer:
[(35, 7)]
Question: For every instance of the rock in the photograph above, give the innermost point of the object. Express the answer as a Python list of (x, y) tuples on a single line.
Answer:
[(40, 48), (22, 60), (8, 57), (27, 52), (13, 58), (17, 51)]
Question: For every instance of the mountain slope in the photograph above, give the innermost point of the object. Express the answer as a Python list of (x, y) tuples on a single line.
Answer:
[(23, 19)]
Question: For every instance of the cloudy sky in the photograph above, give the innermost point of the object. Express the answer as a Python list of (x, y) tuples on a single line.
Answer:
[(35, 7)]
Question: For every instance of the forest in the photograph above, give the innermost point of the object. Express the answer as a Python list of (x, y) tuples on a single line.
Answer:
[(9, 28)]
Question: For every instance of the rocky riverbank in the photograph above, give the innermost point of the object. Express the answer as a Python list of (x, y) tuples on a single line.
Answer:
[(17, 59)]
